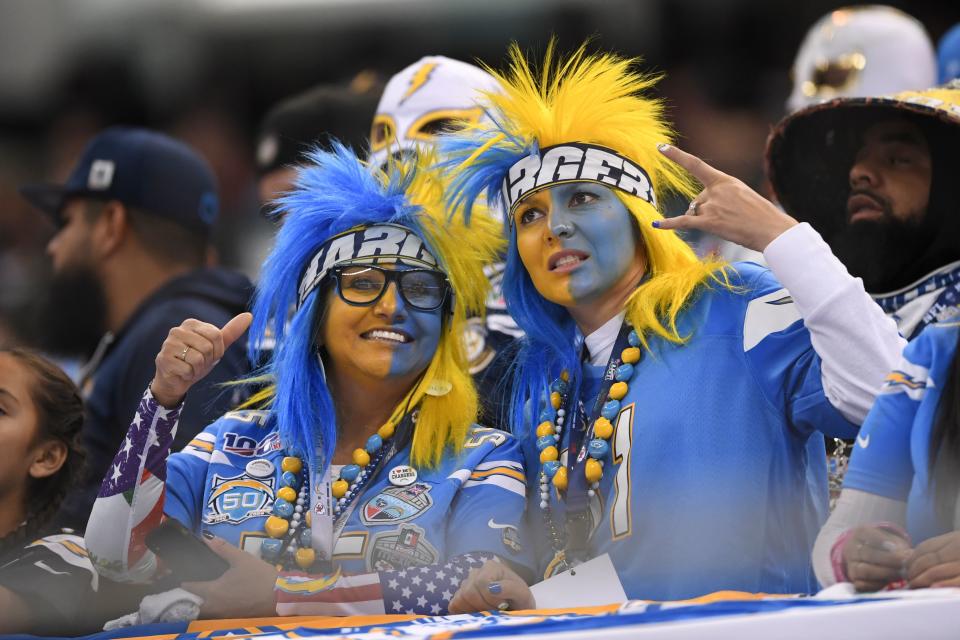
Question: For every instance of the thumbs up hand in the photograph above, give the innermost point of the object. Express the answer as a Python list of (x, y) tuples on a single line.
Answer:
[(189, 353)]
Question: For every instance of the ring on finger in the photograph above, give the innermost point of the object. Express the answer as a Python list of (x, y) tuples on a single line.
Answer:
[(692, 209), (183, 354), (504, 606)]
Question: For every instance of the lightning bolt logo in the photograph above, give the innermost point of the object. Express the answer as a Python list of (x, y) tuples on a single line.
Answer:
[(419, 79)]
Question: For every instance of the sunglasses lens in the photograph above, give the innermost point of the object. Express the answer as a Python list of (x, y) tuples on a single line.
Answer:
[(361, 285), (423, 289)]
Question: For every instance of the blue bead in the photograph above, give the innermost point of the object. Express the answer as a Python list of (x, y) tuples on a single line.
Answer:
[(350, 472), (633, 339), (290, 479), (374, 443), (282, 508), (598, 448), (611, 409), (270, 549), (545, 441), (560, 386), (305, 538), (546, 416), (624, 372), (550, 468)]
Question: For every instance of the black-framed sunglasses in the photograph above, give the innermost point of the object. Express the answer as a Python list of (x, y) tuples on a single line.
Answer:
[(362, 285)]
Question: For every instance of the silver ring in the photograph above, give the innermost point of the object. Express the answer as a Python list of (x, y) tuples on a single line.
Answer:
[(504, 606), (183, 354), (692, 209)]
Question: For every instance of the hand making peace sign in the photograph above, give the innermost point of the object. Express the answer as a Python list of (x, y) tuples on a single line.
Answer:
[(726, 207)]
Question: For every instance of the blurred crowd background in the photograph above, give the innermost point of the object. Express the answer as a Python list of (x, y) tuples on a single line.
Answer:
[(207, 71)]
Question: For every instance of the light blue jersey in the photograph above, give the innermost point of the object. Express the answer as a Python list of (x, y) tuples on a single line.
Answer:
[(225, 481), (717, 475), (891, 457)]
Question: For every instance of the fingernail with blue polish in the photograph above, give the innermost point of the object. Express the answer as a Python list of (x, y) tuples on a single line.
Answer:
[(494, 587), (656, 224)]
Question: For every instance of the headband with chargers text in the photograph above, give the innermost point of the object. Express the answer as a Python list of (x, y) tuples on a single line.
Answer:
[(574, 162), (376, 244)]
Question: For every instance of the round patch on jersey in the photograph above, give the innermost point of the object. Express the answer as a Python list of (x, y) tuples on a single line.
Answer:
[(403, 475), (260, 468)]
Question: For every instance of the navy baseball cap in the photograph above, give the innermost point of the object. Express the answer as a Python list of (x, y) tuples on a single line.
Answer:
[(144, 170)]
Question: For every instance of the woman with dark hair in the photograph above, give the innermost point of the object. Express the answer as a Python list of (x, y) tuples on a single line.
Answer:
[(897, 522), (41, 414)]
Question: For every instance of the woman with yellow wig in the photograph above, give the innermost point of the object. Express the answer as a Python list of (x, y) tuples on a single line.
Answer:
[(365, 462), (669, 406)]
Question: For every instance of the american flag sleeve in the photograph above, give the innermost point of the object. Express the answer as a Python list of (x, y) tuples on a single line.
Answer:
[(415, 590), (130, 502)]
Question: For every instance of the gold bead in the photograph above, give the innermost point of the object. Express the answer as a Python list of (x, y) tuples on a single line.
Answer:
[(630, 355), (305, 557), (291, 464), (555, 399), (288, 494), (593, 470), (309, 519), (618, 390), (386, 431), (560, 479), (276, 527), (339, 488), (361, 457), (565, 375), (548, 454), (545, 429), (602, 428)]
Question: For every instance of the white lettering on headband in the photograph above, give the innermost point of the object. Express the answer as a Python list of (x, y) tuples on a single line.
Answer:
[(377, 244), (575, 162)]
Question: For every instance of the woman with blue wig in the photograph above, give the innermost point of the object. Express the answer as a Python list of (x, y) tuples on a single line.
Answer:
[(363, 464), (674, 404)]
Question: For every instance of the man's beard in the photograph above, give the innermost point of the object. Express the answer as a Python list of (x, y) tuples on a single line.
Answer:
[(73, 315), (887, 254)]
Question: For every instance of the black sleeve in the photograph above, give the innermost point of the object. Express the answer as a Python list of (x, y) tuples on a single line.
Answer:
[(56, 580)]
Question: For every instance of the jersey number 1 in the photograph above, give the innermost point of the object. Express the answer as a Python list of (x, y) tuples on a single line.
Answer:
[(620, 519)]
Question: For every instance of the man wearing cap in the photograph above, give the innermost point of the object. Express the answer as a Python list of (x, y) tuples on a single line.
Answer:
[(134, 222), (877, 177)]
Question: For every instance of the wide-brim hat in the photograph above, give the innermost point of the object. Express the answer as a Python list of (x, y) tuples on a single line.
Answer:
[(809, 153)]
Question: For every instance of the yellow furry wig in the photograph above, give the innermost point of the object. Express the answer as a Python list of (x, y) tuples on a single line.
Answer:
[(585, 99), (598, 99)]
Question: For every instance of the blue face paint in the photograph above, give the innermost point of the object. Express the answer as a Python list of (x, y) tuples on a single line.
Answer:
[(596, 231), (424, 327)]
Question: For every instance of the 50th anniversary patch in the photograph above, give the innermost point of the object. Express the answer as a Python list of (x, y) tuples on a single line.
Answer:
[(239, 498)]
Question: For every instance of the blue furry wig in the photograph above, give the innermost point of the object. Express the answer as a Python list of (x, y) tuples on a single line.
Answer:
[(336, 192)]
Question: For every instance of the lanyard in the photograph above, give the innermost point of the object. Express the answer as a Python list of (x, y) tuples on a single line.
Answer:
[(578, 522), (325, 530)]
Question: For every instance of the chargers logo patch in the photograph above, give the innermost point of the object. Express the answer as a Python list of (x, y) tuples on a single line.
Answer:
[(397, 504), (909, 378), (239, 498)]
